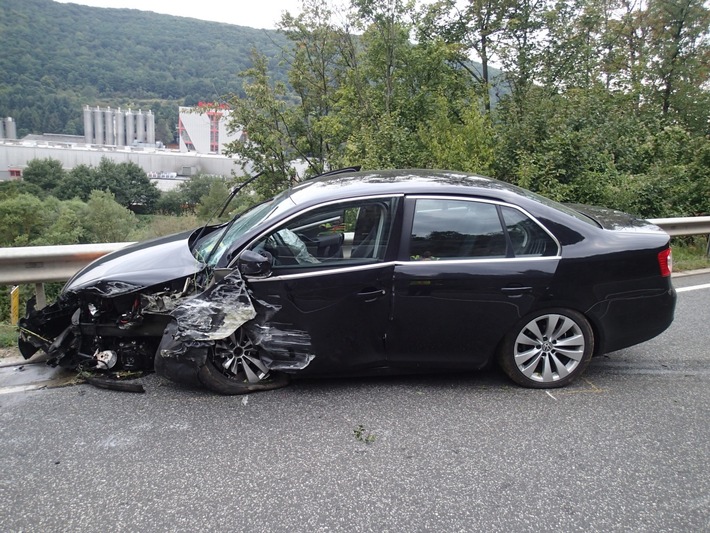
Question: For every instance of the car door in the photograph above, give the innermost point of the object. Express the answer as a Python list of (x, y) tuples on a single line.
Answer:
[(467, 271), (330, 289)]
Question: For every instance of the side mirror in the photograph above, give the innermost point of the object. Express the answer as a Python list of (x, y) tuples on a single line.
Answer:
[(251, 263)]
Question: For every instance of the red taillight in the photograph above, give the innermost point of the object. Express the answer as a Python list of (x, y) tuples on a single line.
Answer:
[(665, 262)]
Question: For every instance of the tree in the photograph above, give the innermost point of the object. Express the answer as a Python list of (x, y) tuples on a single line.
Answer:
[(171, 203), (45, 173), (316, 74), (679, 51), (106, 220), (264, 114), (77, 183), (472, 28), (211, 203), (10, 189), (396, 88), (128, 183), (196, 187), (66, 224), (463, 141), (22, 219), (521, 49)]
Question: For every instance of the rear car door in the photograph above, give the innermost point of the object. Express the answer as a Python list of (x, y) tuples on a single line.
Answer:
[(330, 289), (467, 271)]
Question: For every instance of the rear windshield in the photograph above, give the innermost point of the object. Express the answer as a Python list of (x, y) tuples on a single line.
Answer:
[(560, 207)]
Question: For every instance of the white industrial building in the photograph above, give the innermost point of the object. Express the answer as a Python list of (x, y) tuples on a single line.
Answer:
[(204, 129), (127, 136), (165, 167)]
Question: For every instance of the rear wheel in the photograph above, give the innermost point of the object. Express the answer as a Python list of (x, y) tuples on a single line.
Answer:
[(233, 366), (548, 349)]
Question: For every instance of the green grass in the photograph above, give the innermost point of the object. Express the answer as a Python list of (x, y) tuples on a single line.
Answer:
[(8, 336), (690, 253)]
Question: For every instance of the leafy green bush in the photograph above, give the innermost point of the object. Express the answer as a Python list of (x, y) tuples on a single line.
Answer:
[(8, 336)]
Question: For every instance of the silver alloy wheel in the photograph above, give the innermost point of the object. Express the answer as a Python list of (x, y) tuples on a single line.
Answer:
[(237, 358), (549, 348)]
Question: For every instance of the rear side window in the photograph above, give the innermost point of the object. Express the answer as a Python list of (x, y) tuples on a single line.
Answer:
[(526, 236), (468, 229), (456, 229)]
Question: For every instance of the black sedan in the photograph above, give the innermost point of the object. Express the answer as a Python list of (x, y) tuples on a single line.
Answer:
[(370, 273)]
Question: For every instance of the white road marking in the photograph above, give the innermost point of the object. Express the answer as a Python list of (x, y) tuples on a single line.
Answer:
[(693, 288)]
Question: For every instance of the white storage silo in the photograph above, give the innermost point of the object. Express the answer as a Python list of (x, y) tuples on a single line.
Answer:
[(120, 128), (98, 126), (108, 122), (130, 128), (88, 126), (140, 126), (10, 128), (150, 128)]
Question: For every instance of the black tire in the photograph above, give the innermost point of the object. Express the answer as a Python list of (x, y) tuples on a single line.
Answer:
[(233, 367), (547, 349)]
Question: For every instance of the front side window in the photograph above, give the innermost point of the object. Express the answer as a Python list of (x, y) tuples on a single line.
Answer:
[(456, 229), (345, 233)]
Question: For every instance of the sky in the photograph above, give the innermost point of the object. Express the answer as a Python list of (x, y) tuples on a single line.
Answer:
[(252, 13)]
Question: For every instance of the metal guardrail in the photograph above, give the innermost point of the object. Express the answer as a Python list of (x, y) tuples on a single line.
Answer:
[(37, 264), (676, 227), (42, 264)]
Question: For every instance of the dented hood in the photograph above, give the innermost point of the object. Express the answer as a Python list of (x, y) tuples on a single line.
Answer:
[(139, 265)]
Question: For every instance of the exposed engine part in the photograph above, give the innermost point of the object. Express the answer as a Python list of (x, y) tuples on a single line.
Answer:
[(135, 355), (106, 359)]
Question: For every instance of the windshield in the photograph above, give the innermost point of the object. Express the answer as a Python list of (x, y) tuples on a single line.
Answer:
[(228, 234)]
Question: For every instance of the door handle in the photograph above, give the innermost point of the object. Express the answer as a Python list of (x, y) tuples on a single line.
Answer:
[(516, 292), (370, 295)]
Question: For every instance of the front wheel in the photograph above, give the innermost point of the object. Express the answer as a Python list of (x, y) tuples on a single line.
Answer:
[(548, 349), (233, 366)]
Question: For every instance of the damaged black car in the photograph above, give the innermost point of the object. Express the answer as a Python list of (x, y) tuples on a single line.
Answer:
[(361, 273)]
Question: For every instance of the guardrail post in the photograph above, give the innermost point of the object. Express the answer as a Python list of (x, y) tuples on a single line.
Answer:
[(41, 297), (14, 305)]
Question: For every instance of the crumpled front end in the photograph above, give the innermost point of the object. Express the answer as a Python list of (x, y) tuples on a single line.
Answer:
[(223, 339), (219, 337), (107, 326)]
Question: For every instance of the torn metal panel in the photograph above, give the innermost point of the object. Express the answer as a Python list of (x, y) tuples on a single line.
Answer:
[(217, 312), (174, 345), (160, 303), (283, 348)]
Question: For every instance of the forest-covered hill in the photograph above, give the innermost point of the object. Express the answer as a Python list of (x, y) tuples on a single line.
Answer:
[(55, 58)]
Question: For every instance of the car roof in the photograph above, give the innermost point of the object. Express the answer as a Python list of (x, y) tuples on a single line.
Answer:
[(411, 181)]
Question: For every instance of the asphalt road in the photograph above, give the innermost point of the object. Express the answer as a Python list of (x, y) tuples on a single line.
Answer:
[(625, 449)]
